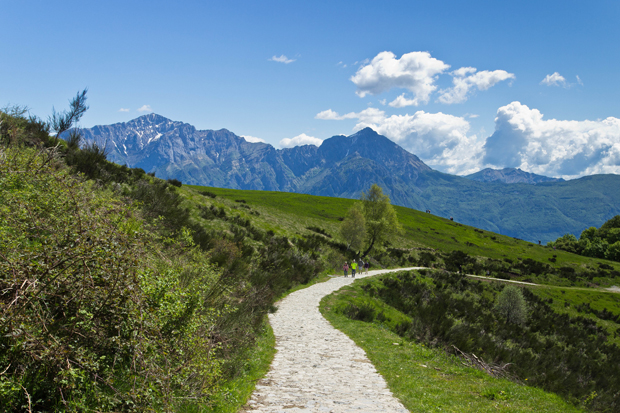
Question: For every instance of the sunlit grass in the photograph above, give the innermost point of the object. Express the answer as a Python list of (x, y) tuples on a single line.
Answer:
[(290, 213), (429, 380), (231, 397)]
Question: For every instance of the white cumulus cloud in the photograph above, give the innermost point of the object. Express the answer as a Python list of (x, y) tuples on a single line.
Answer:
[(554, 79), (300, 140), (145, 108), (566, 148), (415, 71), (123, 110), (466, 79), (331, 115), (402, 101), (281, 59), (252, 139)]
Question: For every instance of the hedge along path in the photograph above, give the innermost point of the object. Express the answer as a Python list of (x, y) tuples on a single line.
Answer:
[(317, 368)]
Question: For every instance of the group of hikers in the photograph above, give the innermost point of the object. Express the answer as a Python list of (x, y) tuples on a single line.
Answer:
[(355, 266)]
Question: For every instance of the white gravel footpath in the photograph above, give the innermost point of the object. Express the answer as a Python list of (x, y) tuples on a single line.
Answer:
[(317, 368)]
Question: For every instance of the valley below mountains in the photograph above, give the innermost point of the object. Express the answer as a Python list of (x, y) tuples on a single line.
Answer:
[(343, 166)]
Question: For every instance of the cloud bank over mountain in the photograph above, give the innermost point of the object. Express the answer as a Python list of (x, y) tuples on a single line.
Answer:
[(522, 139), (553, 147), (441, 140)]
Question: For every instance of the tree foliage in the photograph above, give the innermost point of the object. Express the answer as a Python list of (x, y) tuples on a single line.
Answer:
[(63, 121), (381, 220), (603, 242), (353, 228)]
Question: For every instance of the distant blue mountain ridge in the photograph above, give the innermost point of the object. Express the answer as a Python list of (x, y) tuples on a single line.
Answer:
[(510, 176), (509, 201)]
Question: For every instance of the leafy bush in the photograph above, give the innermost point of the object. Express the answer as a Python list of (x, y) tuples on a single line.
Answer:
[(364, 312), (85, 322), (511, 305), (209, 194), (16, 129), (567, 355), (455, 260), (597, 243), (175, 182), (158, 200)]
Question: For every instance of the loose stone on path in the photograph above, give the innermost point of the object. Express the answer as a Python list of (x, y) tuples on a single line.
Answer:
[(317, 368)]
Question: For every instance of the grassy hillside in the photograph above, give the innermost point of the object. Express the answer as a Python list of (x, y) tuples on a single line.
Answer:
[(440, 321), (293, 214), (427, 379), (570, 284)]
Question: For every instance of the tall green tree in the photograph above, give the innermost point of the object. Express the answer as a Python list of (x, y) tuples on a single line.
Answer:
[(353, 228), (381, 220)]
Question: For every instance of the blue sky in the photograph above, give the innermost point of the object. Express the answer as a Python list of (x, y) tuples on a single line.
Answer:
[(211, 64)]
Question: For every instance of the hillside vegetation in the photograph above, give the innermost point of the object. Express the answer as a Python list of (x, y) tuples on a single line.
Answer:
[(603, 242), (120, 291), (120, 294), (428, 378), (425, 239), (525, 342)]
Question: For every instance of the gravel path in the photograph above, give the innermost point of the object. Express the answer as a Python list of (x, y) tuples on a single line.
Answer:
[(317, 368)]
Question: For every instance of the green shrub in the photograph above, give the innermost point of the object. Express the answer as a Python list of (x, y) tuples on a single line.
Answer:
[(175, 182), (87, 319), (511, 305), (364, 312)]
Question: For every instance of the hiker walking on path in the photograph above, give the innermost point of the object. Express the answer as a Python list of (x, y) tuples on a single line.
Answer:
[(367, 266), (345, 268), (353, 268)]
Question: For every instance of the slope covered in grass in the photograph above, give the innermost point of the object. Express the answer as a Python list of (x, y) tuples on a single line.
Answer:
[(426, 379), (569, 354), (424, 239)]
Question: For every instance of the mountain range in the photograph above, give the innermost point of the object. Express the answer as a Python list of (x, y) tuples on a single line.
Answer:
[(510, 176), (535, 208)]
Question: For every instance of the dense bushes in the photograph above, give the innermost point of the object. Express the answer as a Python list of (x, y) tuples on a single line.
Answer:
[(603, 242), (567, 355), (92, 316)]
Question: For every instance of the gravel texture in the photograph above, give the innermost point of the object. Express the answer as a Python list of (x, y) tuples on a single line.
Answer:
[(317, 368)]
